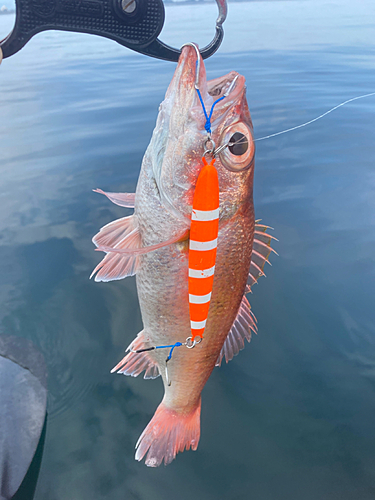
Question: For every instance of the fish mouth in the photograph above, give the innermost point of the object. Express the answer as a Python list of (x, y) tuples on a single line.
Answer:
[(185, 82), (233, 83), (181, 131)]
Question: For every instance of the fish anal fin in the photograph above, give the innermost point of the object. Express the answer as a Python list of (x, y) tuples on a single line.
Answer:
[(168, 433), (126, 200), (242, 327), (135, 363)]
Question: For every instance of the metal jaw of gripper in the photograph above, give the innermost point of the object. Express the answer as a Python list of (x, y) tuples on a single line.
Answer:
[(136, 24)]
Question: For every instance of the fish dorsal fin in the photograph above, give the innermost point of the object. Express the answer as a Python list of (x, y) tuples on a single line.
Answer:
[(135, 363), (121, 234), (261, 251), (244, 323), (126, 200)]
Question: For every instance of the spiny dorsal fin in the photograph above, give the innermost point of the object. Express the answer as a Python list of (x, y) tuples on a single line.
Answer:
[(244, 323), (261, 251), (135, 362), (126, 200)]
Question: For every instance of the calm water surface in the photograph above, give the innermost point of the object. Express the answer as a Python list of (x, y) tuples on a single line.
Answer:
[(292, 417)]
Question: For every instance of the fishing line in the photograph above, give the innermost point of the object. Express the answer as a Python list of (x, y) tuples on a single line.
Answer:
[(315, 119)]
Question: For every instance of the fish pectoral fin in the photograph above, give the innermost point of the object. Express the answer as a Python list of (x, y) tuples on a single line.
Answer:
[(182, 236), (242, 327), (122, 234), (261, 251), (126, 200)]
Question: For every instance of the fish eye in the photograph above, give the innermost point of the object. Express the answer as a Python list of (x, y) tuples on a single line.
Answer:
[(237, 147), (238, 144)]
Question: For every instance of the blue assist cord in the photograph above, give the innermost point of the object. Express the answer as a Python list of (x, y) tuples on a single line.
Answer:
[(177, 344), (208, 117)]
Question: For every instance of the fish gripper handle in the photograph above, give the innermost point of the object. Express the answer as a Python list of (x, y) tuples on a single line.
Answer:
[(134, 24)]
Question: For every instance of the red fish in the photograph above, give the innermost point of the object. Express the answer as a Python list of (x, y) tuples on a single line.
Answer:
[(154, 244)]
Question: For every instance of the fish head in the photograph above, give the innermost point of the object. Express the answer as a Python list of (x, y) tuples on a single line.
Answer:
[(180, 138)]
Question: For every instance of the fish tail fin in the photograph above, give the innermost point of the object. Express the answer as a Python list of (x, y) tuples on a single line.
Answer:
[(168, 433)]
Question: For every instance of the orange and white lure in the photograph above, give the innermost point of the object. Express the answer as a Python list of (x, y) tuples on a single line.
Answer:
[(202, 247)]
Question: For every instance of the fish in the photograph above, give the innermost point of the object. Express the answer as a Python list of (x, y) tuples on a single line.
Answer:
[(153, 245)]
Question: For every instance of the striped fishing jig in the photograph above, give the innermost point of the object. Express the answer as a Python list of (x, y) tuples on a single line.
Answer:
[(204, 227), (204, 231)]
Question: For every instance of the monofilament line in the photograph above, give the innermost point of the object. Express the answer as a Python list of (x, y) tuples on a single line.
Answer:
[(315, 119)]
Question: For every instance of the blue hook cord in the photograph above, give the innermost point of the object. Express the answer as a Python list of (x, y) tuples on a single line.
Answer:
[(177, 344), (208, 117)]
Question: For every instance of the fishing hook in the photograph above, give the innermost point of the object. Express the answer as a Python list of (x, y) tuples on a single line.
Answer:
[(169, 381), (189, 343)]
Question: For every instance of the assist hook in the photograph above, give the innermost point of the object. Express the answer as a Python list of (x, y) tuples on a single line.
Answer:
[(136, 24)]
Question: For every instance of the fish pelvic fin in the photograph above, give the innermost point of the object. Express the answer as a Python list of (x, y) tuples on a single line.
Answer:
[(261, 252), (113, 234), (121, 241), (169, 432), (243, 325), (134, 363), (122, 234)]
